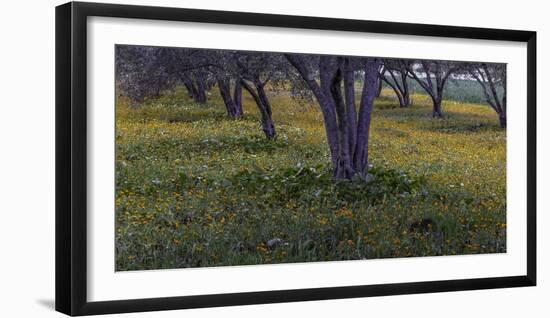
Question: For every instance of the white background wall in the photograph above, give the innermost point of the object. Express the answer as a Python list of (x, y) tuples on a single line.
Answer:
[(27, 158)]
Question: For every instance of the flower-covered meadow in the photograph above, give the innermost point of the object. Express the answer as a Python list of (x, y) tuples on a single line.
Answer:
[(195, 188)]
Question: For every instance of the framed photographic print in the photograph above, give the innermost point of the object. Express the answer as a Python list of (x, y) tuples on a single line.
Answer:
[(208, 158)]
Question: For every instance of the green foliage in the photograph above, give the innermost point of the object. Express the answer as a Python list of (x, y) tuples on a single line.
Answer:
[(211, 191), (308, 184)]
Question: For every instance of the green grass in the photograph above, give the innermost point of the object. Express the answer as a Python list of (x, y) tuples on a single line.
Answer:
[(194, 188)]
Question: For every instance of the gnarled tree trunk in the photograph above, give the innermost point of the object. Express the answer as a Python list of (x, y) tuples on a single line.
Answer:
[(361, 158), (230, 105), (347, 133), (398, 84), (195, 89), (259, 95), (437, 74)]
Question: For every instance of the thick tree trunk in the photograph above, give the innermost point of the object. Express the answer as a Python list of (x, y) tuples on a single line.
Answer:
[(344, 165), (331, 131), (347, 135), (361, 158), (351, 111), (328, 106), (321, 91)]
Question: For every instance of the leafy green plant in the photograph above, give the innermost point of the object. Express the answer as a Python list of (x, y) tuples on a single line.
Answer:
[(206, 190)]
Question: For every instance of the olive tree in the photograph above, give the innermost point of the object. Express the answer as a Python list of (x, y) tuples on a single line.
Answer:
[(432, 75), (492, 79), (254, 71), (332, 81), (394, 73)]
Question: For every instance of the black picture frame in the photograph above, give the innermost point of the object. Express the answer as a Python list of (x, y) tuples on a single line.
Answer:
[(71, 157)]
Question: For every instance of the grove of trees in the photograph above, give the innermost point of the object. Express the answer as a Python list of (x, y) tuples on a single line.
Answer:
[(343, 87)]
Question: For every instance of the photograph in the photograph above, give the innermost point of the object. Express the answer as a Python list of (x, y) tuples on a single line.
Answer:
[(228, 157), (271, 160)]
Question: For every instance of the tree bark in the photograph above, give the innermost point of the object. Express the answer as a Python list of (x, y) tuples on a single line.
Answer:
[(238, 97), (349, 89), (361, 158), (267, 116), (347, 135), (437, 111), (258, 94), (231, 107), (324, 100), (434, 90), (399, 86), (502, 120), (379, 89), (189, 88), (344, 166), (405, 90), (200, 88), (483, 77)]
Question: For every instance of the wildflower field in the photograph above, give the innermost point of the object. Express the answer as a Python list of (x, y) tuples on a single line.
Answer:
[(195, 188)]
